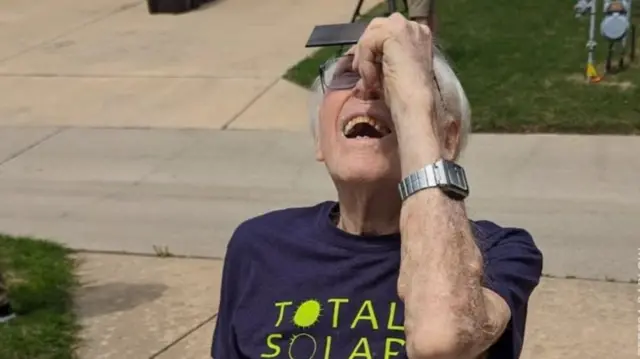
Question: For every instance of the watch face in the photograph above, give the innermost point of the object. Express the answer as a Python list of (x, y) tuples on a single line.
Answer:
[(456, 178)]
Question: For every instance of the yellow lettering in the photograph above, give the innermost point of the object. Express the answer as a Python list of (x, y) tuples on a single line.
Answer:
[(371, 315), (366, 351), (272, 345), (327, 348), (281, 305), (387, 347), (392, 315), (336, 309), (303, 336)]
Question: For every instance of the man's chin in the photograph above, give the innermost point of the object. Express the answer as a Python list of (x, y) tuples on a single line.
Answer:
[(366, 173)]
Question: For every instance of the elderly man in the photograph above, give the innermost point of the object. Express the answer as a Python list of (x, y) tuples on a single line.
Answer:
[(378, 274)]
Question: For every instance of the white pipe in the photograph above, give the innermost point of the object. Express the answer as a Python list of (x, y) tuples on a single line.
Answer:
[(592, 32)]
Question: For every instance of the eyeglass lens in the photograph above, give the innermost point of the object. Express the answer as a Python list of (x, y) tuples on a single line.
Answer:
[(338, 74)]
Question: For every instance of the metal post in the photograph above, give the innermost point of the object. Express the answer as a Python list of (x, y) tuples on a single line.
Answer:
[(356, 11), (392, 6), (581, 8), (591, 44)]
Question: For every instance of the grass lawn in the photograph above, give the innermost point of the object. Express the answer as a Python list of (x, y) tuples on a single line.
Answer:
[(41, 281), (521, 63)]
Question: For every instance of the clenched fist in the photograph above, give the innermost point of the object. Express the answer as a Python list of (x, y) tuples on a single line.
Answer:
[(396, 56)]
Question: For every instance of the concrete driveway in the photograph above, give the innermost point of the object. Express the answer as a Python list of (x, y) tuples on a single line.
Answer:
[(109, 63)]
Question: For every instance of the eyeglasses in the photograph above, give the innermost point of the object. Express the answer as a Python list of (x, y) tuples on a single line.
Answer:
[(338, 74)]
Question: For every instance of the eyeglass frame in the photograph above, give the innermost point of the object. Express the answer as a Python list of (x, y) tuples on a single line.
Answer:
[(324, 67)]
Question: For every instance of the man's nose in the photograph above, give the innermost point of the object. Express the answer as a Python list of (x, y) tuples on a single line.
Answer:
[(367, 94)]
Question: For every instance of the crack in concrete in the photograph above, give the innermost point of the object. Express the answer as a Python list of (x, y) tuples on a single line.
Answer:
[(31, 146), (183, 336), (251, 103)]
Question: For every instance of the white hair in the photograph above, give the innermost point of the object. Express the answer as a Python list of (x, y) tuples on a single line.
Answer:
[(455, 99)]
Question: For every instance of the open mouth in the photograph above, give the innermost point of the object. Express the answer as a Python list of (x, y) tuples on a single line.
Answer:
[(365, 127)]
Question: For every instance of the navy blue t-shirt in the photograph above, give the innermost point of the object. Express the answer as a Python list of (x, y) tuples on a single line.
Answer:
[(295, 286)]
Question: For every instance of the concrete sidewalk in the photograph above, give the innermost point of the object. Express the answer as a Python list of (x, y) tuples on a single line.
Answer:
[(140, 307), (128, 190), (108, 63), (166, 311)]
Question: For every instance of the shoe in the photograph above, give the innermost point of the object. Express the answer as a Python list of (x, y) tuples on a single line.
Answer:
[(6, 313)]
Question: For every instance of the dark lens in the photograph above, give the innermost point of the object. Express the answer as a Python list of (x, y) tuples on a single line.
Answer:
[(346, 80), (344, 63), (343, 77)]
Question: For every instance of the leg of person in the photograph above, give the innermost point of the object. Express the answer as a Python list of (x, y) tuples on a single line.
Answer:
[(6, 313), (423, 11)]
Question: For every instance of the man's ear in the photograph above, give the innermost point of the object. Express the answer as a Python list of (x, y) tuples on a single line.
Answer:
[(452, 139), (319, 154), (316, 136)]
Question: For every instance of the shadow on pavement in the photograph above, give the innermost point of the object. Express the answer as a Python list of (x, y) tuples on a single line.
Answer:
[(108, 298)]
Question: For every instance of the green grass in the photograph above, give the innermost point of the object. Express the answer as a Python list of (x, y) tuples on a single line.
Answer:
[(521, 63), (41, 282)]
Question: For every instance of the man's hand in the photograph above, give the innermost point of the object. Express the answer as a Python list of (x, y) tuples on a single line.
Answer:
[(396, 54)]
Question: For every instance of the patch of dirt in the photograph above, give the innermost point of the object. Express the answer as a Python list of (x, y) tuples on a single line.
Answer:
[(606, 81), (12, 278)]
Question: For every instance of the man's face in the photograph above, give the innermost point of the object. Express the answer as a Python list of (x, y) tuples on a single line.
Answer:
[(355, 135)]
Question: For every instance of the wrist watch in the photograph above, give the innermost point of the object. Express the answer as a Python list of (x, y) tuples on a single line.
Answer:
[(446, 175)]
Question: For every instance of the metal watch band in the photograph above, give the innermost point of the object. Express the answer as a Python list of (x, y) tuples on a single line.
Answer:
[(446, 175), (421, 179)]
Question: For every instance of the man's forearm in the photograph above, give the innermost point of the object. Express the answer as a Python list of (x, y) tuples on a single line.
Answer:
[(440, 278), (441, 268)]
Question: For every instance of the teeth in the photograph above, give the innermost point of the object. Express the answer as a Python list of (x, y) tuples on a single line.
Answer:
[(365, 119)]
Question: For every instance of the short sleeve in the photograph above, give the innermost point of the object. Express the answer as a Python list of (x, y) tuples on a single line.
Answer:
[(513, 267), (224, 343)]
